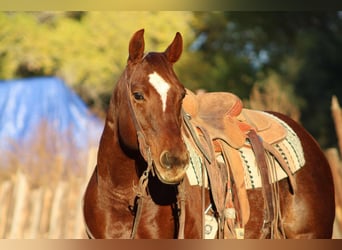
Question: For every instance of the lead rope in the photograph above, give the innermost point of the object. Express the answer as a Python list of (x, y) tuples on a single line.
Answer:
[(141, 191)]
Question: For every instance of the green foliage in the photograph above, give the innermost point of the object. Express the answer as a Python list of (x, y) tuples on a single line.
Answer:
[(303, 48), (86, 49), (223, 51)]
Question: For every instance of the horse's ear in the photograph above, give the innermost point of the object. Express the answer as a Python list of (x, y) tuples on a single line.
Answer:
[(174, 51), (136, 46)]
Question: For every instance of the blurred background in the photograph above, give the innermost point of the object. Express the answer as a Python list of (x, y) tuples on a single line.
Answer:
[(58, 70)]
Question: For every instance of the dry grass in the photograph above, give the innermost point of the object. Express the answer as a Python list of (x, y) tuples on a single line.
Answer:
[(270, 94), (41, 187)]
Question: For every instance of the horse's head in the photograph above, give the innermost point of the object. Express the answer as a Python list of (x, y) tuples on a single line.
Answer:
[(152, 121)]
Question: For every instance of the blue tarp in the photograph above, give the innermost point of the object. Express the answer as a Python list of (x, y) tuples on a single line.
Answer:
[(25, 103)]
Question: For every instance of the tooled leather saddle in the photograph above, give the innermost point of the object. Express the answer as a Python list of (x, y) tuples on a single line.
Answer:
[(218, 127)]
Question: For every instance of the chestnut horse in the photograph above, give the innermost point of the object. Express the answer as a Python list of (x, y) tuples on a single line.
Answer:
[(135, 189)]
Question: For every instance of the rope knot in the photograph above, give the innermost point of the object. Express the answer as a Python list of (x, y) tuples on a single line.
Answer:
[(141, 189)]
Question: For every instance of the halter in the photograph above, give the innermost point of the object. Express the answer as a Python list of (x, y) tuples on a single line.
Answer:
[(145, 151), (141, 189), (144, 148)]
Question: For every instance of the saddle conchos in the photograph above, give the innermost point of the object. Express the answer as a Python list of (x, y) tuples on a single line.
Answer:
[(233, 149)]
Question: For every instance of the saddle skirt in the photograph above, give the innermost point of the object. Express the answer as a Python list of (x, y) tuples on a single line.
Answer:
[(290, 149)]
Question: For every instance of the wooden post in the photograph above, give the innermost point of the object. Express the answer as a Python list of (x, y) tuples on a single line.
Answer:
[(19, 210), (78, 221), (55, 228), (5, 198), (335, 165), (36, 201), (337, 116), (46, 211), (335, 161)]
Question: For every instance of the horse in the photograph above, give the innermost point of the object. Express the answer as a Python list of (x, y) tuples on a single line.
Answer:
[(140, 189)]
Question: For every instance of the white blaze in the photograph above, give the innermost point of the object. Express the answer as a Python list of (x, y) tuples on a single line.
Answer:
[(161, 86)]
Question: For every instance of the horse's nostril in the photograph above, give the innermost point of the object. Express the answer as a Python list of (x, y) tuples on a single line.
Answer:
[(166, 160), (169, 160)]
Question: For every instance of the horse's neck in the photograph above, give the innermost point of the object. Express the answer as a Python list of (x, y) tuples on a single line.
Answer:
[(114, 166)]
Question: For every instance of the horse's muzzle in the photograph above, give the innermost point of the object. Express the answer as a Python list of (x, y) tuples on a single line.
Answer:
[(172, 168)]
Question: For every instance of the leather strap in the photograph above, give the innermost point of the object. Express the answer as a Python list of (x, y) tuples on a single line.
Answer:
[(234, 160), (145, 151), (267, 192), (141, 192), (143, 146), (191, 130), (282, 163), (181, 200)]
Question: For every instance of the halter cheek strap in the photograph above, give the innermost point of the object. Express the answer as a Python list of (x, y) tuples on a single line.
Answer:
[(143, 147), (145, 151)]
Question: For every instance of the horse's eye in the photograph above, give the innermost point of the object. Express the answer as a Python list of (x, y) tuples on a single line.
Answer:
[(138, 96)]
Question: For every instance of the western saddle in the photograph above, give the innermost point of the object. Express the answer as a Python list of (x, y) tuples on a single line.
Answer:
[(218, 126)]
